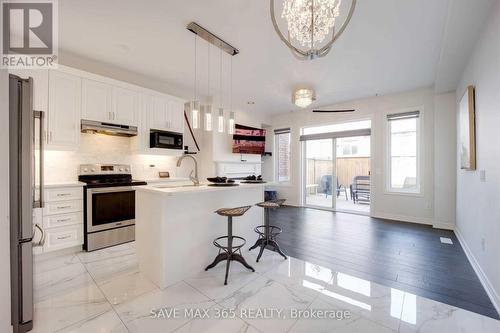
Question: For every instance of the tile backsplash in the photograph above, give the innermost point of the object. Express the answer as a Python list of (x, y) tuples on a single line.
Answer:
[(62, 166)]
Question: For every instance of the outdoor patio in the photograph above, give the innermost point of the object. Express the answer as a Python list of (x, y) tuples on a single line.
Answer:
[(320, 200)]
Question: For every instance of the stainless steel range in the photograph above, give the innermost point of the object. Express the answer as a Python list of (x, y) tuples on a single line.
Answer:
[(109, 205)]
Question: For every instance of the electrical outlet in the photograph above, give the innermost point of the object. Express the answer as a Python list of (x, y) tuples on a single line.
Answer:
[(483, 244)]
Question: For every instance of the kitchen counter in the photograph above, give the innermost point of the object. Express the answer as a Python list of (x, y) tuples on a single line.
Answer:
[(175, 227), (166, 180), (190, 188), (63, 184)]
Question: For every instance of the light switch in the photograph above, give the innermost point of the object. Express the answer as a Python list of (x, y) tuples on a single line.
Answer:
[(482, 175)]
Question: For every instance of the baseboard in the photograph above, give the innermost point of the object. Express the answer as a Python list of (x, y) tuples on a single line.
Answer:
[(443, 225), (490, 290), (403, 218)]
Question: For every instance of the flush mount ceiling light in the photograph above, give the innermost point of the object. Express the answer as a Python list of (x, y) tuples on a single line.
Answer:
[(303, 97), (312, 25)]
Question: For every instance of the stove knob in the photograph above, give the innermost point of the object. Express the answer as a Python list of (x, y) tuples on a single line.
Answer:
[(121, 169), (127, 169), (85, 170), (92, 170)]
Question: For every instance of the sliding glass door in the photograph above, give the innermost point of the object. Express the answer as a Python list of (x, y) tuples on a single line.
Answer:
[(336, 167), (319, 173)]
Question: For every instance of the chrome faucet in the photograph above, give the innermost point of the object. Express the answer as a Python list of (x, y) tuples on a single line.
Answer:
[(194, 179)]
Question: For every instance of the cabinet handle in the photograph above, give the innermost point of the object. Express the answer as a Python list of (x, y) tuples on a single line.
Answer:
[(63, 207), (64, 237), (63, 194), (114, 116), (50, 136), (64, 220)]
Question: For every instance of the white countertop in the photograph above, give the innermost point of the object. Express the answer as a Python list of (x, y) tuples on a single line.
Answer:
[(169, 191), (166, 180), (63, 184)]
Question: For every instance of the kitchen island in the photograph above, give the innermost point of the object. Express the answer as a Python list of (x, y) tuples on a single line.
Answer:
[(176, 226)]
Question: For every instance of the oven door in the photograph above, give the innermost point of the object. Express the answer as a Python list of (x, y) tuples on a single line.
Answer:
[(110, 207)]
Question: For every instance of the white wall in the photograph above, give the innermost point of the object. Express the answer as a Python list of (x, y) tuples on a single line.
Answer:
[(4, 205), (412, 208), (478, 209), (444, 160)]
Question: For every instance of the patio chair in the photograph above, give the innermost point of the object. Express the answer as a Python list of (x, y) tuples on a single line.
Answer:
[(360, 189), (326, 185), (341, 188)]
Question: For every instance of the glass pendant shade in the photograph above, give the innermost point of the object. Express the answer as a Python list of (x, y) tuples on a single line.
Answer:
[(208, 118), (195, 114), (221, 120), (230, 124)]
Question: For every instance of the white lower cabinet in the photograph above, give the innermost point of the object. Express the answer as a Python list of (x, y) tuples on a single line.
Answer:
[(60, 222), (63, 237)]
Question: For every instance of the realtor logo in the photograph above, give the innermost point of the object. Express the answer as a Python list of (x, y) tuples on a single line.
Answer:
[(29, 34)]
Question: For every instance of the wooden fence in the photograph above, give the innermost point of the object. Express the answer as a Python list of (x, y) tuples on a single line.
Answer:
[(347, 169)]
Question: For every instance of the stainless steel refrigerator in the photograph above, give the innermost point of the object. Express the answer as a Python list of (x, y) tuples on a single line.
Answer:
[(26, 194)]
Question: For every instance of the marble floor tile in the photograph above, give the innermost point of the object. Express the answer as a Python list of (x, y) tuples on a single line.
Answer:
[(68, 308), (334, 320), (59, 280), (211, 282), (107, 322), (425, 315), (105, 270), (42, 264), (298, 274), (266, 294), (214, 324), (162, 311), (103, 291), (126, 287), (107, 253), (372, 301)]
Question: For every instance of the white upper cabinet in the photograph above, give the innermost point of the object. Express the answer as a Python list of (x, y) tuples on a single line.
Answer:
[(108, 103), (159, 113), (176, 116), (166, 114), (125, 106), (97, 101), (63, 120)]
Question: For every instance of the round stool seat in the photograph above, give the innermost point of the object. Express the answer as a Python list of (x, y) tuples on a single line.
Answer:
[(238, 211), (271, 203), (222, 242), (273, 230)]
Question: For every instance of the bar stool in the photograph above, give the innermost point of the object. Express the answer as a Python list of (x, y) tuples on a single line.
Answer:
[(228, 248), (267, 233)]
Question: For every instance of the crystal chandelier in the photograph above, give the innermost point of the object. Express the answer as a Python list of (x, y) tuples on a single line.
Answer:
[(309, 23)]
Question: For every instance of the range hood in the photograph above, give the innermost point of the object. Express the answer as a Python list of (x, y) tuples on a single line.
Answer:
[(90, 126)]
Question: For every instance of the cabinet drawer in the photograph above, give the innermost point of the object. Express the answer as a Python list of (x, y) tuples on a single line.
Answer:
[(64, 193), (62, 220), (63, 207), (63, 237)]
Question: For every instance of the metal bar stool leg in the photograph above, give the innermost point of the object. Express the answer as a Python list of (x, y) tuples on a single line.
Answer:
[(231, 249)]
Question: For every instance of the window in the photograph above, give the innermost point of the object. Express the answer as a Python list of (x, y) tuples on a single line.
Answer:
[(282, 142), (403, 152)]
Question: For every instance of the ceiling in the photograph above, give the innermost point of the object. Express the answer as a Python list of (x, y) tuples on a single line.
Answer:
[(389, 46)]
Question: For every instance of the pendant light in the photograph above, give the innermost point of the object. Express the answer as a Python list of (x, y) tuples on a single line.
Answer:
[(230, 123), (221, 108), (208, 107), (195, 104)]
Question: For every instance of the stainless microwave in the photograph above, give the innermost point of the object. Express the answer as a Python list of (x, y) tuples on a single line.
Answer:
[(166, 140)]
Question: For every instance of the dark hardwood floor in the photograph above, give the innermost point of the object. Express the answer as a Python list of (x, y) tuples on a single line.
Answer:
[(401, 255)]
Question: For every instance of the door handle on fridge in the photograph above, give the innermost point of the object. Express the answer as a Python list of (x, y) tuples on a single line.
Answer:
[(39, 203), (41, 242)]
